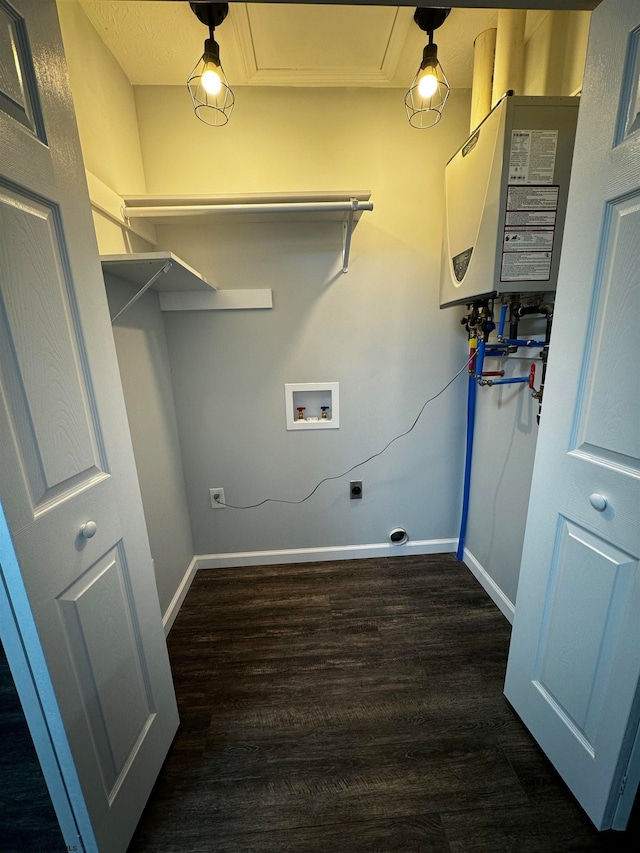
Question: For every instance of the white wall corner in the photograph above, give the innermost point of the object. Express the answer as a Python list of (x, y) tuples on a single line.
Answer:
[(169, 616), (109, 204), (504, 604)]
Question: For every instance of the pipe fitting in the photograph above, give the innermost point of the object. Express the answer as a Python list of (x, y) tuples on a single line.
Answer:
[(398, 536)]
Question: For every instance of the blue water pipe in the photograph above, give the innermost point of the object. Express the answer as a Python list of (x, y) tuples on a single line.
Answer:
[(503, 317), (480, 358), (471, 416), (513, 381)]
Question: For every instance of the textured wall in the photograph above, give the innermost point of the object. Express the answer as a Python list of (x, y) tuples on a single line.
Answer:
[(105, 108), (555, 53), (146, 381)]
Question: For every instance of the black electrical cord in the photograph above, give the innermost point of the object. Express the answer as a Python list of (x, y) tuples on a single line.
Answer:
[(358, 464)]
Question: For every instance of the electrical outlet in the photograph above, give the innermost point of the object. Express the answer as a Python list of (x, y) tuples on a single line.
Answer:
[(217, 495), (355, 490)]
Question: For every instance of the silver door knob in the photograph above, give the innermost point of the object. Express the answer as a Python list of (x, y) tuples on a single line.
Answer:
[(598, 502), (88, 530)]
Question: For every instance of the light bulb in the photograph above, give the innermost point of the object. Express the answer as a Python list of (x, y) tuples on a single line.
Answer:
[(211, 81), (428, 84)]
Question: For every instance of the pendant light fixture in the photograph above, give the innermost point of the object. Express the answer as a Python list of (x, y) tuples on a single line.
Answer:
[(210, 92), (429, 89)]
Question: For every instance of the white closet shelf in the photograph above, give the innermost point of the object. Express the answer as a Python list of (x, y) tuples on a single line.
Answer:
[(181, 287), (342, 206), (139, 268)]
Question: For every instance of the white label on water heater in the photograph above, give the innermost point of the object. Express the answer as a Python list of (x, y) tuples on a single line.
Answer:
[(532, 158), (526, 266), (533, 198), (530, 218), (529, 229)]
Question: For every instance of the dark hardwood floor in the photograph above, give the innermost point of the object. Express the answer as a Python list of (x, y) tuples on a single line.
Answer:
[(349, 707), (27, 819)]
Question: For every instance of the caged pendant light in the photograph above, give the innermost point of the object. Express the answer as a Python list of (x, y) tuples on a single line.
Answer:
[(208, 86), (429, 89)]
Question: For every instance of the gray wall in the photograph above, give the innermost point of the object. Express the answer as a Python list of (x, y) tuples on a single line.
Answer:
[(146, 380), (504, 447), (505, 439), (384, 341), (378, 330)]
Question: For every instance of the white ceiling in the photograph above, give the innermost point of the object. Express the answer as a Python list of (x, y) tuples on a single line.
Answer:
[(157, 42)]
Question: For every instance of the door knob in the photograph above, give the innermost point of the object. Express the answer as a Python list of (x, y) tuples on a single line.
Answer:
[(88, 530), (598, 502)]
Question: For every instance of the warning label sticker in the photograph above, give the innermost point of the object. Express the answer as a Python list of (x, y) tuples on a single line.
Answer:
[(526, 266), (529, 230), (528, 240), (532, 158)]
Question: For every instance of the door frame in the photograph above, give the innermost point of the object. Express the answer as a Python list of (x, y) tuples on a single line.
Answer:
[(630, 783), (26, 660)]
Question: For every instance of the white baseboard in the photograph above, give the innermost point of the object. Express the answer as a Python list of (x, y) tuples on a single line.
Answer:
[(176, 602), (490, 586), (311, 555)]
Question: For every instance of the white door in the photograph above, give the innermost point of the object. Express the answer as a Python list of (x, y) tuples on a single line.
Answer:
[(65, 452), (574, 662)]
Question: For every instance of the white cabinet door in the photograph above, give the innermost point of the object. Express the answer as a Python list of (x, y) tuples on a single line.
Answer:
[(574, 662), (65, 452)]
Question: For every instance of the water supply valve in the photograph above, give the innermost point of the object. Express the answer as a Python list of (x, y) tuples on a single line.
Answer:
[(536, 394)]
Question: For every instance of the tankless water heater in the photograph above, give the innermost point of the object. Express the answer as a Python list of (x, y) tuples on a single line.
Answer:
[(505, 201)]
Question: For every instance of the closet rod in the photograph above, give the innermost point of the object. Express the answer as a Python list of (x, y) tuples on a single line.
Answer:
[(103, 211), (261, 207)]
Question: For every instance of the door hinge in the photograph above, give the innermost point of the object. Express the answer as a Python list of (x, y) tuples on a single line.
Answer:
[(622, 785)]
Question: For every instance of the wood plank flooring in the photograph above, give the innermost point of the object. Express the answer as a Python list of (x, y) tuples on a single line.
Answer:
[(27, 819), (352, 706)]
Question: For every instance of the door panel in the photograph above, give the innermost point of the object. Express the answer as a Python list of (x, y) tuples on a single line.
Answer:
[(66, 456), (603, 412), (574, 663), (588, 588), (18, 89), (103, 646), (42, 369), (629, 114)]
